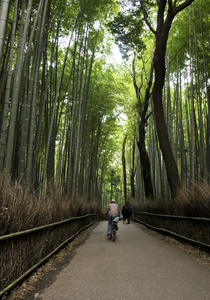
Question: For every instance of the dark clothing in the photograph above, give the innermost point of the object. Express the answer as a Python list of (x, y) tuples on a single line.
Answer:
[(126, 212), (129, 213)]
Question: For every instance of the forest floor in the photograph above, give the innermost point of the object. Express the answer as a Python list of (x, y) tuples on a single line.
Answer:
[(44, 277)]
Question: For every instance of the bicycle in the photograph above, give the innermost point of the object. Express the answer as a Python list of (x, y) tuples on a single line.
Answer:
[(114, 228)]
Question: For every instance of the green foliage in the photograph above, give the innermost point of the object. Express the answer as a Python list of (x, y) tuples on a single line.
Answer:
[(127, 27), (112, 109), (178, 42)]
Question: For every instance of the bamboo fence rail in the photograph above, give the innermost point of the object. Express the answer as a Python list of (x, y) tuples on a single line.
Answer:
[(198, 227), (27, 239)]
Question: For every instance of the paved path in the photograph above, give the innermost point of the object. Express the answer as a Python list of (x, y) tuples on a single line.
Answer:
[(136, 266)]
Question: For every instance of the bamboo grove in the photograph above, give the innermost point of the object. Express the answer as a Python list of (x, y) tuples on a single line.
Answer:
[(60, 99), (170, 75), (51, 97)]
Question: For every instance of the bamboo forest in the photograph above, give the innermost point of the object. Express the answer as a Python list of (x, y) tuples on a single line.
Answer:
[(103, 99)]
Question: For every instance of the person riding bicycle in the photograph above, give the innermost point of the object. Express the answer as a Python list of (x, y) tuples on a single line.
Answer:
[(114, 211)]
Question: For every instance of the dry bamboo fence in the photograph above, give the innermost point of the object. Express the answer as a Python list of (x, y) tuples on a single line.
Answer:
[(193, 229), (22, 252)]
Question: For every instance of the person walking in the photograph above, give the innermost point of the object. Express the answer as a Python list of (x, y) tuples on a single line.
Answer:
[(113, 211), (126, 212), (129, 212)]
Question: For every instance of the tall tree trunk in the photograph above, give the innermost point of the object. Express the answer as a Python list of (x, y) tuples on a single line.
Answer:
[(77, 139), (164, 21), (54, 107), (202, 150), (8, 87), (144, 157), (124, 169), (205, 74), (133, 192), (70, 171), (28, 117), (84, 110), (15, 95), (183, 162), (31, 157), (192, 106), (4, 12), (159, 65)]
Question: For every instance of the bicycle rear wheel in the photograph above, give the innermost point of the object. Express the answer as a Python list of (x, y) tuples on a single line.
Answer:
[(113, 234)]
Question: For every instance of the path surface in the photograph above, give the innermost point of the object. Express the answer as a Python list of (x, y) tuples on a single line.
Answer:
[(136, 266)]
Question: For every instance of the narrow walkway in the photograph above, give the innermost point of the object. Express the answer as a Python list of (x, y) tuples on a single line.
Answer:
[(135, 266)]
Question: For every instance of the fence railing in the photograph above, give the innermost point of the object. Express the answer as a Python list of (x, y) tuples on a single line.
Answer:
[(22, 252), (193, 229)]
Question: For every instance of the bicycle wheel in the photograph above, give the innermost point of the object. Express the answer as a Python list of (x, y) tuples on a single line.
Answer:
[(113, 234)]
